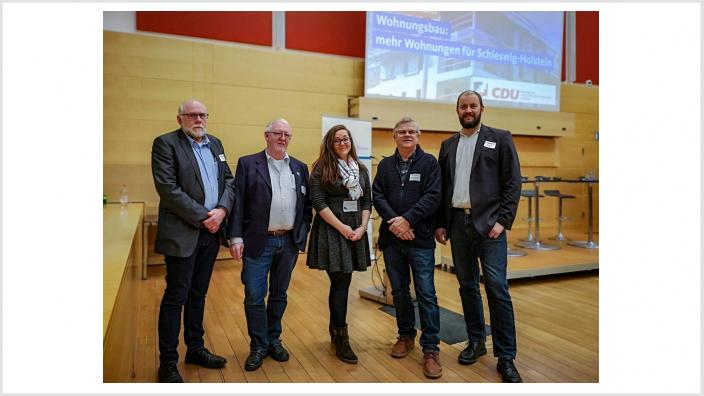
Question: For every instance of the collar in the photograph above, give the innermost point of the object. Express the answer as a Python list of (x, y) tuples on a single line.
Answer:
[(413, 154), (474, 133), (270, 158)]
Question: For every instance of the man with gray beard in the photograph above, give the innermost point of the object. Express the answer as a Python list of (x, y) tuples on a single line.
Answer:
[(196, 191)]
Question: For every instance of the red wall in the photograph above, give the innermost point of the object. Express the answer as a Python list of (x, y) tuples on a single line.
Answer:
[(251, 27), (587, 46), (338, 33), (329, 32)]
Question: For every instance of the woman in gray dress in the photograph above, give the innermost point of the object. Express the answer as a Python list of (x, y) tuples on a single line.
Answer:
[(339, 244)]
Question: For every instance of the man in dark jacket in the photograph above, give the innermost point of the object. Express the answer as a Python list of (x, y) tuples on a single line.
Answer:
[(407, 191), (481, 188), (268, 226), (195, 187)]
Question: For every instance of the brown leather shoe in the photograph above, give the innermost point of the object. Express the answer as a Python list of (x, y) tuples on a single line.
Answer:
[(403, 346), (431, 365)]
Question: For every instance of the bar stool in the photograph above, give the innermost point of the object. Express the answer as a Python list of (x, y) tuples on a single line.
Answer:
[(560, 217), (530, 194), (536, 244), (513, 252)]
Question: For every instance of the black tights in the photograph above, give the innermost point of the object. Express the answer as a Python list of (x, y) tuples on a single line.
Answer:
[(337, 300)]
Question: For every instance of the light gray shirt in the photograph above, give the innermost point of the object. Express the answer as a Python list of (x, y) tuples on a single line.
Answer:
[(463, 170), (282, 214)]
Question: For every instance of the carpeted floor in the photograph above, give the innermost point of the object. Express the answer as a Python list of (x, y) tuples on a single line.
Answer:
[(452, 327)]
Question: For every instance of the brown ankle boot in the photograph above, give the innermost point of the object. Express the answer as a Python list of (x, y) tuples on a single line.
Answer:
[(341, 341), (403, 347), (432, 368)]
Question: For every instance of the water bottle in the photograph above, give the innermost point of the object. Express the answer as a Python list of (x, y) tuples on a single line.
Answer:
[(123, 196)]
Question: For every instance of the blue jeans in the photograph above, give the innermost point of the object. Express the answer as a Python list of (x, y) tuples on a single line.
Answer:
[(469, 247), (275, 266), (402, 261)]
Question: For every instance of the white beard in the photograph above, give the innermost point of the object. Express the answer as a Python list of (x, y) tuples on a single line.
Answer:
[(195, 134)]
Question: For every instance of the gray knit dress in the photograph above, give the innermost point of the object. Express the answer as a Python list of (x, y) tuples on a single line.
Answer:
[(327, 248)]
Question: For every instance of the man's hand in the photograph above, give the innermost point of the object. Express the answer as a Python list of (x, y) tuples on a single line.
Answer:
[(496, 231), (408, 235), (441, 235), (215, 217), (236, 250), (398, 225)]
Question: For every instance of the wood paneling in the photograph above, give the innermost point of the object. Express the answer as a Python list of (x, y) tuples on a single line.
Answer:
[(384, 113)]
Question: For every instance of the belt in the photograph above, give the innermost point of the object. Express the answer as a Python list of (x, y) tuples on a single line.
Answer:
[(278, 232), (463, 210)]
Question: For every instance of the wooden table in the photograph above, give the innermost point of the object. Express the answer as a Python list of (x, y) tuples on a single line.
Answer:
[(123, 251)]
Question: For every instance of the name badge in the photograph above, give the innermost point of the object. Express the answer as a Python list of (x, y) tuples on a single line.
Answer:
[(489, 144), (349, 206), (222, 157), (414, 177), (303, 190)]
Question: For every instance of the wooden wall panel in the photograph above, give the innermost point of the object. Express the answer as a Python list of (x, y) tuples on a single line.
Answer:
[(287, 71), (156, 57)]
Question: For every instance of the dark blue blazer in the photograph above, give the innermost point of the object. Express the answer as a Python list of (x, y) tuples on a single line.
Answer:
[(249, 218)]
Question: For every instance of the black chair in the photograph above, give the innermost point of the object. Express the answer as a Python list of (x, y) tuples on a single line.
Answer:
[(530, 194), (556, 193)]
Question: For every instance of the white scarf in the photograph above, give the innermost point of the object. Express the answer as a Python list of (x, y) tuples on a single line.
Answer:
[(350, 177)]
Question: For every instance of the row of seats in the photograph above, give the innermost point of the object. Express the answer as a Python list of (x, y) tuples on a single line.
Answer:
[(532, 240)]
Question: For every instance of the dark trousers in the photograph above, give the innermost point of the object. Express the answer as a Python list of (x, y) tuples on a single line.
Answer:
[(275, 264), (337, 299), (469, 248), (187, 280)]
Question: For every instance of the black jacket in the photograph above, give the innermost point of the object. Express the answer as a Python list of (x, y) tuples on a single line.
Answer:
[(495, 184), (417, 198)]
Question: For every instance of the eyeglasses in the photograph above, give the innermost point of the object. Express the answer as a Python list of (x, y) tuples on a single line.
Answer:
[(340, 141), (406, 131), (194, 116), (278, 134)]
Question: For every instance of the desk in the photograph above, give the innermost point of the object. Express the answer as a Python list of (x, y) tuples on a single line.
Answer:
[(122, 255)]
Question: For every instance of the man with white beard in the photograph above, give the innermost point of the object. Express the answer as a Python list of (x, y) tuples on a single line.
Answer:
[(196, 191)]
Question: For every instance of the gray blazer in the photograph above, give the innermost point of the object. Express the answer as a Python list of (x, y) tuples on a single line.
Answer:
[(177, 180)]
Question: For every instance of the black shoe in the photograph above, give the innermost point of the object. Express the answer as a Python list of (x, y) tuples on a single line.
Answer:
[(508, 370), (206, 359), (470, 354), (278, 352), (169, 373), (255, 359)]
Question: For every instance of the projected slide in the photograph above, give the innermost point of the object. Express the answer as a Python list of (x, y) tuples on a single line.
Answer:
[(512, 58)]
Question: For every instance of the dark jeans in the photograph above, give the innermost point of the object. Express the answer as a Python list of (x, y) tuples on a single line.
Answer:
[(275, 266), (467, 247), (187, 280), (402, 261), (337, 299)]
